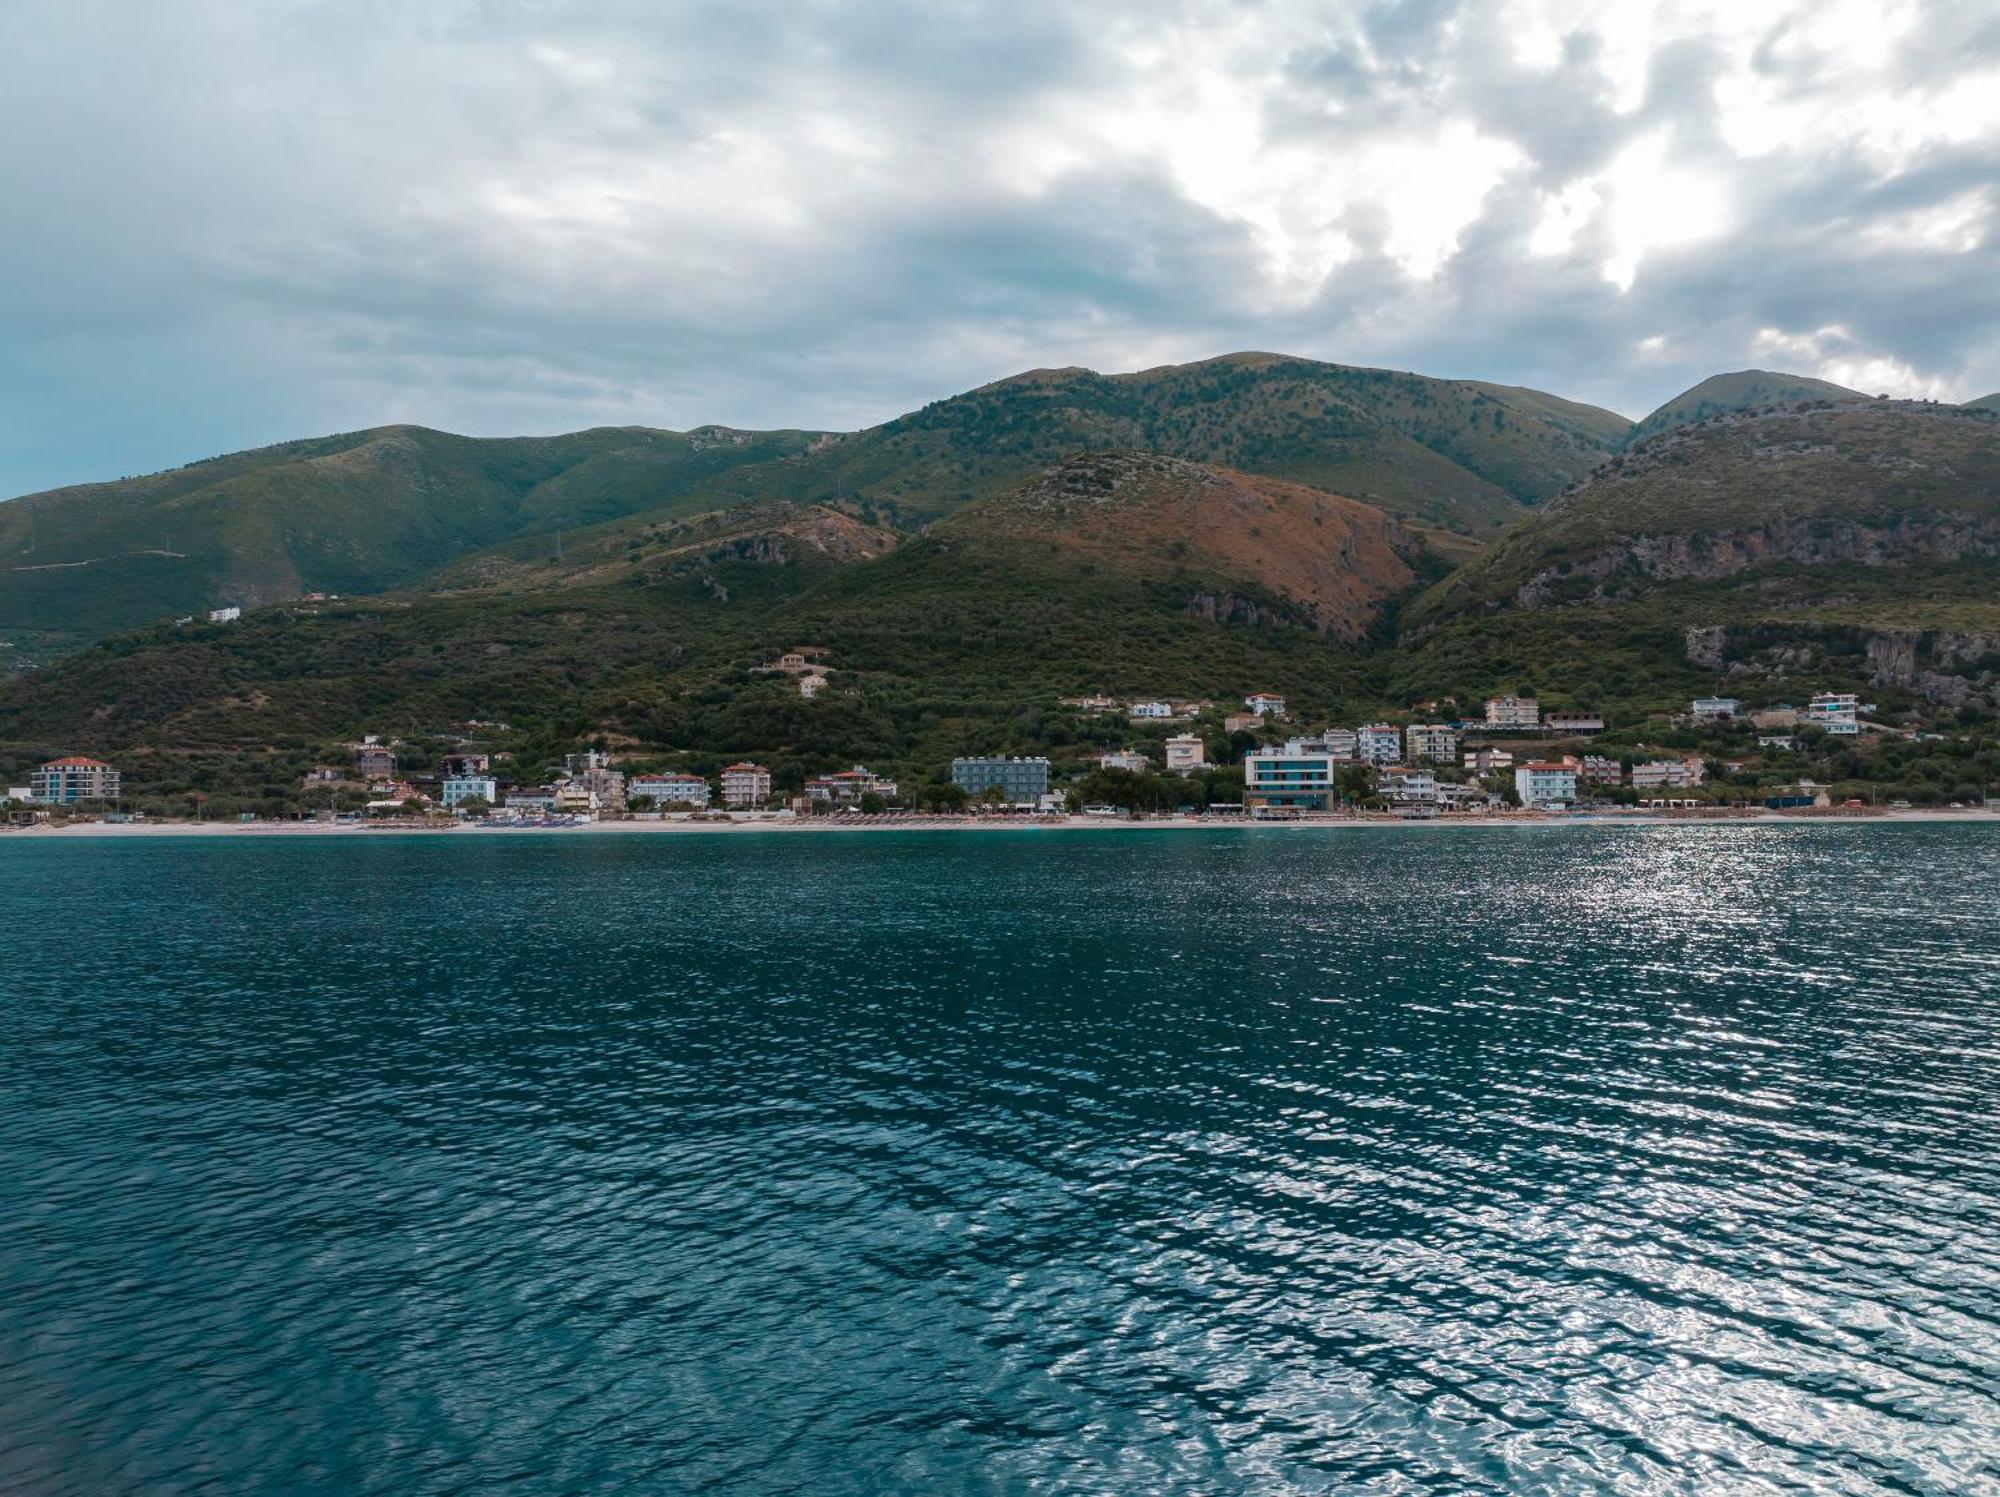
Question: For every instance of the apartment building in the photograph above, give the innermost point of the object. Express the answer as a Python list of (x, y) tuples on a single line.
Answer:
[(1293, 778), (745, 786), (1379, 743), (65, 782), (1021, 782), (1434, 742), (1546, 784), (1513, 713), (669, 790)]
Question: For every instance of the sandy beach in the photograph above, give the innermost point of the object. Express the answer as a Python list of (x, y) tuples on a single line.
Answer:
[(813, 826)]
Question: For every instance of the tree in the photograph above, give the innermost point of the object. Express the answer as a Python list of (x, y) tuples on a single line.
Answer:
[(872, 804)]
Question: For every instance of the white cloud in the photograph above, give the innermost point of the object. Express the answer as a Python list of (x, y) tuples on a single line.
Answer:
[(258, 221)]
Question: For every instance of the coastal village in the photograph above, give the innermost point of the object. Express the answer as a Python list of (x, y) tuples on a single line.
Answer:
[(1179, 757)]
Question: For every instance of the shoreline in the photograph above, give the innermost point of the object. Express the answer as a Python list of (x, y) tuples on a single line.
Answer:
[(834, 826)]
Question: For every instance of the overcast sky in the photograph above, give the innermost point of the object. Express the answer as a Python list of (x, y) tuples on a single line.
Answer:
[(227, 222)]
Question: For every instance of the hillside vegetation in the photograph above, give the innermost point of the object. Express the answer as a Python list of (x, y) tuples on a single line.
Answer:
[(357, 513), (1464, 455), (1742, 391)]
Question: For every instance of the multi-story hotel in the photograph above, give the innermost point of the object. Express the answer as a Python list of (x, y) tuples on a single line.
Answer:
[(1021, 782), (1546, 783), (745, 785), (668, 789), (64, 782), (1292, 778)]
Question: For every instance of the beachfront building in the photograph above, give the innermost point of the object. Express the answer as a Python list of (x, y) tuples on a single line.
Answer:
[(575, 799), (1669, 774), (1128, 759), (1434, 742), (65, 782), (1573, 724), (1512, 714), (745, 786), (461, 788), (1407, 784), (1379, 743), (1714, 709), (665, 790), (1185, 754), (1265, 704), (1598, 770), (532, 798), (1546, 784), (1293, 778), (608, 785), (1021, 782), (1486, 761), (846, 787), (1452, 797), (1836, 712)]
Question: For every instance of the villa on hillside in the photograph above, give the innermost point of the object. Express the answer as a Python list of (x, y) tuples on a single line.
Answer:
[(1265, 704), (1127, 759)]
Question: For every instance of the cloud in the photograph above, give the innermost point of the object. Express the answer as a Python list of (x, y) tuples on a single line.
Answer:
[(244, 223)]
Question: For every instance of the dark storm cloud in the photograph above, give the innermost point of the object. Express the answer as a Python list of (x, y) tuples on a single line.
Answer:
[(231, 223)]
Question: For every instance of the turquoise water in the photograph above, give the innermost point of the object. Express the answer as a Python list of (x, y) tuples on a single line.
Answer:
[(1398, 1160)]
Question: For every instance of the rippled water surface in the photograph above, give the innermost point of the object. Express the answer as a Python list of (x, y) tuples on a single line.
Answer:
[(1389, 1160)]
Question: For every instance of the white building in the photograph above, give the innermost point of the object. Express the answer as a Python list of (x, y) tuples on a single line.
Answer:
[(224, 615), (1486, 761), (1836, 712), (1775, 740), (1409, 785), (1150, 711), (669, 789), (1669, 774), (1714, 709), (745, 785), (1126, 759), (461, 788), (811, 686), (1185, 754), (1437, 742), (1513, 712), (532, 798), (1379, 743), (1265, 704), (1546, 784), (1294, 778)]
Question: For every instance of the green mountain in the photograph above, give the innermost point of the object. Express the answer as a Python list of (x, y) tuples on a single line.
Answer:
[(371, 511), (361, 512), (1855, 542), (1460, 454), (1113, 571), (1735, 392)]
